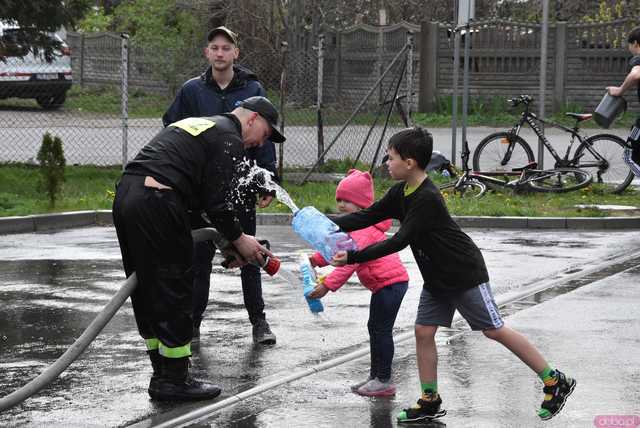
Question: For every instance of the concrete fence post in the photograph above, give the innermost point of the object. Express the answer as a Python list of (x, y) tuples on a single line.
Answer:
[(428, 67), (560, 67)]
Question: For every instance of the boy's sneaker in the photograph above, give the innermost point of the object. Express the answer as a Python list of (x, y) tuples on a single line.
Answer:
[(355, 387), (377, 388), (427, 408), (555, 396), (628, 159)]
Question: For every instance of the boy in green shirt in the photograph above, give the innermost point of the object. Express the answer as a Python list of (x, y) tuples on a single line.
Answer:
[(454, 272)]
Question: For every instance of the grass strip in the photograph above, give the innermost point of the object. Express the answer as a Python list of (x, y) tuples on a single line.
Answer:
[(92, 188)]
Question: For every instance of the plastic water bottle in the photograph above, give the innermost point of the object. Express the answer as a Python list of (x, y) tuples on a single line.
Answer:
[(321, 233), (308, 284)]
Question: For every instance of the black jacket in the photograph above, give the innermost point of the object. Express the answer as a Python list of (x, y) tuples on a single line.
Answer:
[(198, 158), (201, 96)]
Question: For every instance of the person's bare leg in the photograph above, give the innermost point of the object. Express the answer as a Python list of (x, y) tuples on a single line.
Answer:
[(427, 356), (426, 353), (520, 346), (558, 387)]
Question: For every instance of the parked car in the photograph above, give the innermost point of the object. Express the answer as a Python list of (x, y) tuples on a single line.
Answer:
[(26, 75)]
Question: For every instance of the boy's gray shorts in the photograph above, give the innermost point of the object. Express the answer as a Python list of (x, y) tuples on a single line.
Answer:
[(476, 305)]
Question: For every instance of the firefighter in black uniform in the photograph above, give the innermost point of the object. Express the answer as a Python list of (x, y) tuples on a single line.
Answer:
[(189, 165)]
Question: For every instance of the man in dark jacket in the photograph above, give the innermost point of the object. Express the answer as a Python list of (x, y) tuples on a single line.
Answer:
[(219, 90), (190, 165)]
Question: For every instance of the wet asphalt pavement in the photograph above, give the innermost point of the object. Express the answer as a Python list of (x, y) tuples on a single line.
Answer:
[(54, 284)]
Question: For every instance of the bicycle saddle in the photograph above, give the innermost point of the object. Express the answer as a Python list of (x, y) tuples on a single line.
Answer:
[(579, 116), (530, 165)]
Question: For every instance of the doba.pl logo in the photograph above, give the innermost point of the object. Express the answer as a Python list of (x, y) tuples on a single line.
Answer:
[(616, 421)]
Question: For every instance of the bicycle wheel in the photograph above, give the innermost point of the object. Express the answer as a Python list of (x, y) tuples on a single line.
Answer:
[(559, 180), (500, 152), (464, 188), (611, 170)]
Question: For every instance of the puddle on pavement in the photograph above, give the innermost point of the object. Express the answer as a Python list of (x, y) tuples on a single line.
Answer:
[(548, 294), (547, 243)]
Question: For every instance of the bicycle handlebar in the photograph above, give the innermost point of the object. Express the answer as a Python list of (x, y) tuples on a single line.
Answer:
[(522, 99)]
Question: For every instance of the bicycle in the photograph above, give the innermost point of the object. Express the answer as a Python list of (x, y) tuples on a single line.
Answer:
[(600, 154), (475, 184)]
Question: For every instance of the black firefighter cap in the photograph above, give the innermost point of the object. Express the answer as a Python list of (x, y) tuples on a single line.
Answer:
[(264, 108)]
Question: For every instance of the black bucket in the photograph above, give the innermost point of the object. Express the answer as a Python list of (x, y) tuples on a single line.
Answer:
[(609, 108)]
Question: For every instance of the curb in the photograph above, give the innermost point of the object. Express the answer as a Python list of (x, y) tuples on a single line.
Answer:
[(49, 222)]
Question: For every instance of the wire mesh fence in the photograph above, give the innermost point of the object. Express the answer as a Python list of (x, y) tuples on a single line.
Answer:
[(101, 95), (82, 105), (334, 91), (104, 96), (338, 96)]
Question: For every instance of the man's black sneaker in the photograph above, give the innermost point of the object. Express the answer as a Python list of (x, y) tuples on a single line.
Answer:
[(262, 333), (555, 396), (428, 407)]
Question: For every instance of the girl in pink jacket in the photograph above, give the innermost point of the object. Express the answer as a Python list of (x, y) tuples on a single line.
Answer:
[(386, 277)]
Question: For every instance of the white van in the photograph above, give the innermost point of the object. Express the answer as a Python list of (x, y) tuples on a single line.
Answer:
[(25, 75)]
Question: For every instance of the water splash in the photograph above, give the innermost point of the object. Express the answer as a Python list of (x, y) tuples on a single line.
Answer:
[(289, 276), (265, 178), (295, 279)]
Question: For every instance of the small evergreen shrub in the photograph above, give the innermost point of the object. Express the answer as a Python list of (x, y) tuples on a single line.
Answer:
[(52, 164)]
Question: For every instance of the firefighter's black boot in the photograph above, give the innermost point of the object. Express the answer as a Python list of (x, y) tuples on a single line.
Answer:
[(175, 384), (155, 358), (156, 363)]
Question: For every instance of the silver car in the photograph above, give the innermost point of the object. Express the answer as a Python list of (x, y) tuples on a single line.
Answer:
[(25, 75)]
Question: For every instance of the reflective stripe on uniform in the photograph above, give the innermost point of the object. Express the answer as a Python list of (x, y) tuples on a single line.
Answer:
[(194, 125), (152, 344), (179, 352)]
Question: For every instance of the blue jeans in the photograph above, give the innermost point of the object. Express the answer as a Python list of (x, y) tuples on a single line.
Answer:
[(382, 316)]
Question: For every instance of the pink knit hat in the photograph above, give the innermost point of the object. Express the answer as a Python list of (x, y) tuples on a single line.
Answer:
[(357, 188)]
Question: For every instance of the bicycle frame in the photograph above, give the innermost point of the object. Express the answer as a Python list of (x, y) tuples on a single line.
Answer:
[(525, 176), (532, 120)]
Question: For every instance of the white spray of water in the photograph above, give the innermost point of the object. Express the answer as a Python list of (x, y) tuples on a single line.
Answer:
[(254, 172), (289, 276), (266, 180), (295, 279)]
